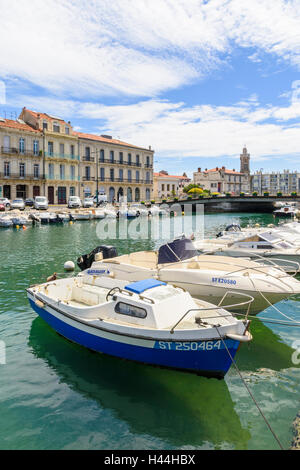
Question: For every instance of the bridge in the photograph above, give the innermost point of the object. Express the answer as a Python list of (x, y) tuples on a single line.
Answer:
[(235, 203)]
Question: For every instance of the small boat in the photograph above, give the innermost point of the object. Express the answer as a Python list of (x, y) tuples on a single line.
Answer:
[(21, 220), (82, 215), (207, 277), (148, 321), (110, 212), (286, 211), (140, 210), (6, 221), (44, 217), (267, 245), (98, 214)]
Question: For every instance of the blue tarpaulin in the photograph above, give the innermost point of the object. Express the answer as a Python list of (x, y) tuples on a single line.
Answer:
[(145, 284)]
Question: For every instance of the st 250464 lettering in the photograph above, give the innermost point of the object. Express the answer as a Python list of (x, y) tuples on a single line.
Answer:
[(189, 346)]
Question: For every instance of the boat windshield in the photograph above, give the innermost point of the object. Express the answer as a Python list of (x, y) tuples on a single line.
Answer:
[(177, 250)]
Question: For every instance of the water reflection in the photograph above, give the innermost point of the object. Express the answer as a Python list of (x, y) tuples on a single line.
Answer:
[(181, 408)]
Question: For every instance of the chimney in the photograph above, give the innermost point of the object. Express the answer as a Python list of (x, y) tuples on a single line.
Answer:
[(199, 170), (149, 147), (223, 167), (217, 168)]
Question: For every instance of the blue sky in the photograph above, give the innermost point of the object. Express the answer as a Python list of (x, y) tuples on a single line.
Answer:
[(196, 80)]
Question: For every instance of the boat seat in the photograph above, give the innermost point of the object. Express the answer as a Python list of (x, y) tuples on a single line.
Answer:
[(89, 295)]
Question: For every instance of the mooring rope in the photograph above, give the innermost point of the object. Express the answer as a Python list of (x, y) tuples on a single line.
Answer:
[(248, 390)]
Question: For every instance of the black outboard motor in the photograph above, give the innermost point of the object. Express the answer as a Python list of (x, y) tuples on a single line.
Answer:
[(233, 228), (86, 261)]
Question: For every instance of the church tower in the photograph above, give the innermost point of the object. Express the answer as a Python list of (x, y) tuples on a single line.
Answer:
[(245, 161)]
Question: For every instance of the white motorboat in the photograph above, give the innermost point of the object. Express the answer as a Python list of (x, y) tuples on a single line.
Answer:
[(205, 276), (110, 212), (19, 220), (98, 213), (6, 221), (286, 211), (146, 321), (267, 245), (82, 215), (140, 210)]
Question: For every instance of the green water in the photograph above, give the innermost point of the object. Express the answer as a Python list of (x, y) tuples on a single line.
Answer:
[(57, 395)]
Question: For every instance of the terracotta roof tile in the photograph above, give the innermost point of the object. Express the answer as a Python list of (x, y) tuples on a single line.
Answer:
[(17, 125), (99, 138)]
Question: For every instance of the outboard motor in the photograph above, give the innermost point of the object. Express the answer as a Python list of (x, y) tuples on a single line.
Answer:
[(86, 261)]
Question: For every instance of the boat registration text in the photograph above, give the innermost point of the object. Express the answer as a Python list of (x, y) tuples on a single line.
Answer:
[(188, 346)]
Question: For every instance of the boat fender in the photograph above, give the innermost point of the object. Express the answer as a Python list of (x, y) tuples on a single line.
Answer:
[(69, 266), (242, 338), (39, 304)]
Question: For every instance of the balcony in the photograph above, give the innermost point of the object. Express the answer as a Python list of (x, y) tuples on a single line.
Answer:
[(119, 162), (61, 156), (17, 176), (88, 159), (122, 180), (15, 151), (88, 178)]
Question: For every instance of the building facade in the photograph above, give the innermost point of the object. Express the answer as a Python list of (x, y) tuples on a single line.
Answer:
[(223, 180), (165, 185), (285, 183), (42, 155)]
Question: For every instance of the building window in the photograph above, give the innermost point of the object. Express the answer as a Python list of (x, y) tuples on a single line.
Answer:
[(72, 172), (56, 127), (51, 171), (67, 130), (72, 150), (87, 153), (72, 191), (168, 187), (137, 159), (112, 174), (35, 147), (102, 177), (112, 156), (87, 173), (129, 159), (22, 170), (130, 177), (147, 177), (121, 157), (62, 149), (36, 170), (148, 161), (137, 176), (62, 172), (162, 187), (22, 145), (50, 148), (6, 168), (45, 125), (121, 175), (101, 155)]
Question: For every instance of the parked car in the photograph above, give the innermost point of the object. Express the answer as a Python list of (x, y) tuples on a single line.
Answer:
[(102, 198), (18, 204), (88, 202), (29, 202), (2, 207), (74, 202), (5, 201), (40, 203)]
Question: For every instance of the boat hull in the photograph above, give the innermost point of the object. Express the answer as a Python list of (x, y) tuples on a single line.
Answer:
[(209, 358)]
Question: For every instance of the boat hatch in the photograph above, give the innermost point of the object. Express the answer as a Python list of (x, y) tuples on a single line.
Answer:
[(141, 286)]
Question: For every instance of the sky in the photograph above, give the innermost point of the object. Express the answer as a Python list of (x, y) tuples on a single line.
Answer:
[(195, 79)]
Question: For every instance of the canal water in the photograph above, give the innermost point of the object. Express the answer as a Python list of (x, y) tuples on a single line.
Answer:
[(57, 395)]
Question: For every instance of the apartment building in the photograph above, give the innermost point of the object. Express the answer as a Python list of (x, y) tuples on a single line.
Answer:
[(41, 154), (125, 172), (285, 182)]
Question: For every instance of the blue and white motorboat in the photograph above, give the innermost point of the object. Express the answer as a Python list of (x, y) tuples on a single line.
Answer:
[(147, 321), (6, 221)]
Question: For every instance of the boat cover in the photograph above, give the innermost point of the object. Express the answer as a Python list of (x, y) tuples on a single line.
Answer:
[(145, 284), (177, 250)]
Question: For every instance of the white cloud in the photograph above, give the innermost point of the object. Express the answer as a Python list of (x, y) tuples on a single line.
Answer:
[(141, 48)]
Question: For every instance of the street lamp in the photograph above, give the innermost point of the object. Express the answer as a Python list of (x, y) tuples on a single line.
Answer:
[(261, 169)]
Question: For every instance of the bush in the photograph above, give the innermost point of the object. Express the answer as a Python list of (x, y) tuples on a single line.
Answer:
[(164, 200), (242, 194), (175, 198), (266, 193), (279, 194), (228, 194), (215, 194), (142, 202), (255, 193), (190, 197), (294, 193), (152, 201)]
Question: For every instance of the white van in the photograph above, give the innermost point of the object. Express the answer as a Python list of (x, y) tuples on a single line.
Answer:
[(40, 203)]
